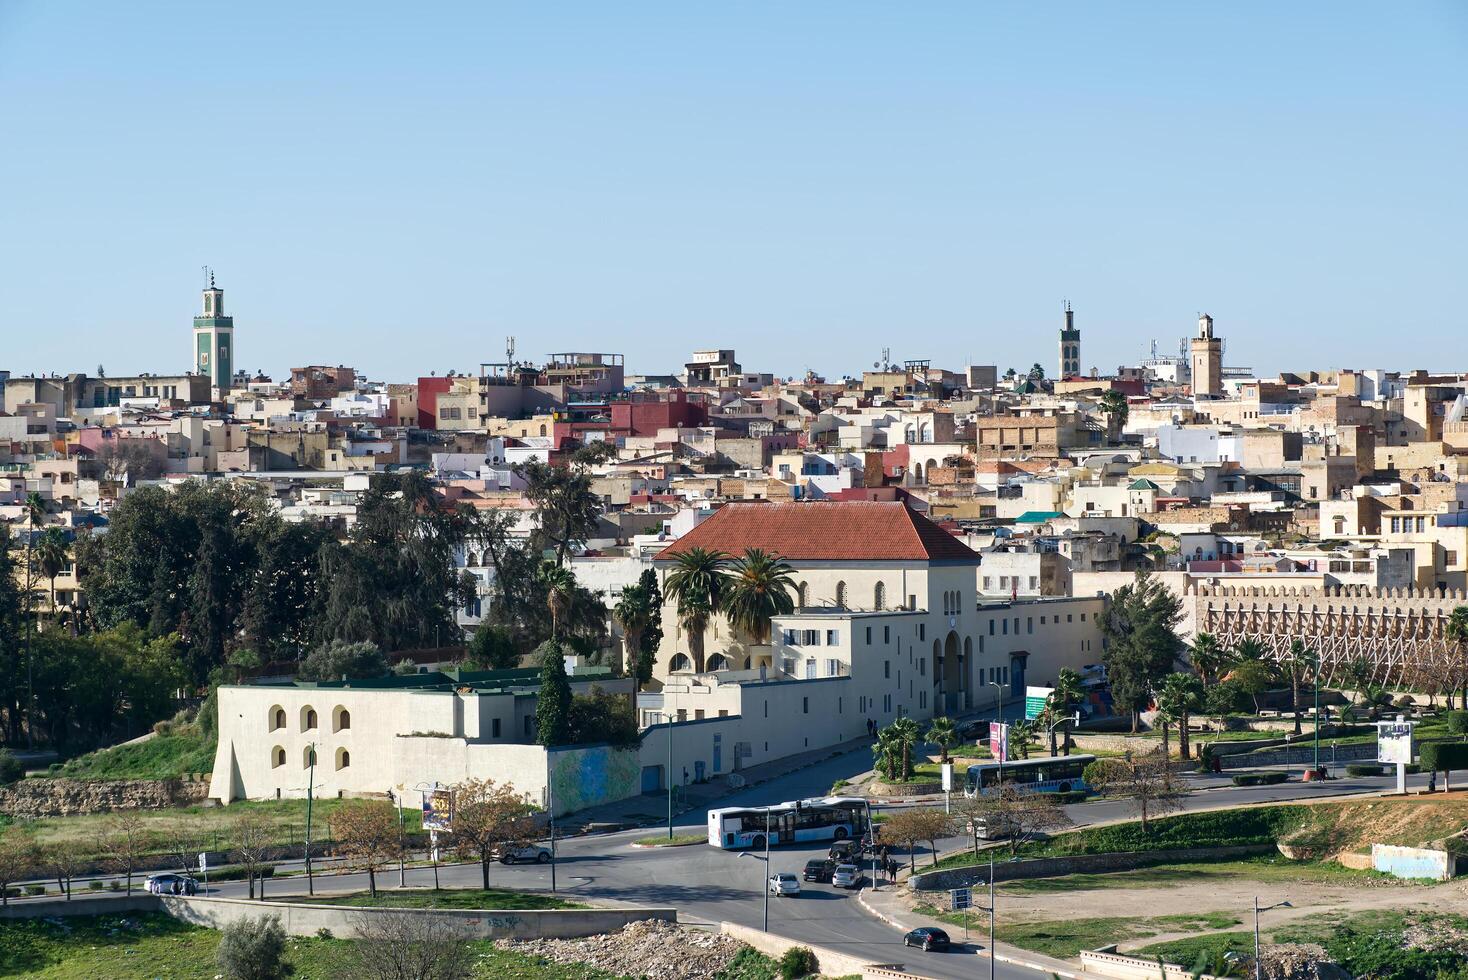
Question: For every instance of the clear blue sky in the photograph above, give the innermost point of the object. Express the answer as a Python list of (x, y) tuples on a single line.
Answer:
[(398, 186)]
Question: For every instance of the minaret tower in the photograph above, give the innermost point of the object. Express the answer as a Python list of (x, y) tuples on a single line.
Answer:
[(1206, 357), (214, 339), (1070, 346)]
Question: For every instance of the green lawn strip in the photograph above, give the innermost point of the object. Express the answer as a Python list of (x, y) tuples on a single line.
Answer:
[(496, 899), (1264, 868), (1065, 938), (677, 840), (153, 945), (161, 757), (1187, 952)]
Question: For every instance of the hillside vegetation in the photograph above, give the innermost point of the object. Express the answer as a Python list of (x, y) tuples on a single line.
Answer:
[(187, 750)]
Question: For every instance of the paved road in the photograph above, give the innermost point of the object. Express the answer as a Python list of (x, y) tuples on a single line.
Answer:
[(709, 885)]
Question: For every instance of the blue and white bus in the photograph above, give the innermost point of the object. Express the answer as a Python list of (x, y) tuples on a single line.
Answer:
[(826, 818), (1060, 774)]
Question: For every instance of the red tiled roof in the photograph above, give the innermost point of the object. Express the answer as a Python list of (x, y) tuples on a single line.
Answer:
[(825, 531)]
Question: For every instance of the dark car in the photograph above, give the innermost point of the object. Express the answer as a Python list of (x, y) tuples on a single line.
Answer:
[(926, 939), (845, 850), (819, 870)]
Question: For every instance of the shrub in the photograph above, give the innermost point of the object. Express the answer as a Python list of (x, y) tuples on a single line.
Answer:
[(253, 949), (1458, 723), (1074, 796), (798, 961), (10, 767), (114, 886), (94, 886), (1260, 778), (1444, 756), (1365, 769), (34, 890)]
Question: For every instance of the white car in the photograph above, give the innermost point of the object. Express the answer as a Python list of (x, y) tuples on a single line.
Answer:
[(784, 883), (171, 884), (846, 876), (528, 853)]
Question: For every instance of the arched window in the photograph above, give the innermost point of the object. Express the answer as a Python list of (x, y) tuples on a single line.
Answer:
[(277, 757), (343, 758), (277, 718), (542, 430), (308, 756), (718, 662), (840, 595), (679, 662), (800, 595), (341, 719), (471, 559), (879, 596), (308, 718)]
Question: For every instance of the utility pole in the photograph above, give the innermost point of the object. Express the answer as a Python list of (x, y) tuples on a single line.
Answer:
[(310, 793), (550, 789), (991, 915), (767, 869), (402, 868), (669, 723), (1315, 683)]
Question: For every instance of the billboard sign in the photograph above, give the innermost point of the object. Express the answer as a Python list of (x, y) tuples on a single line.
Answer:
[(963, 898), (1394, 741), (438, 809), (1035, 700), (999, 740)]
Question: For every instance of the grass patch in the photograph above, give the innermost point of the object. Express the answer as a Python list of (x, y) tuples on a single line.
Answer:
[(161, 757), (1266, 868), (1065, 938), (1217, 828), (1187, 952), (677, 840), (149, 946), (750, 964), (496, 899)]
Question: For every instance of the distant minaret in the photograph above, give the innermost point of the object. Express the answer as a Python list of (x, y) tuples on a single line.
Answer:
[(1206, 359), (1070, 345), (214, 339)]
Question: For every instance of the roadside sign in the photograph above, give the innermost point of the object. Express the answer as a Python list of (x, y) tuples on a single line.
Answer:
[(203, 862), (999, 740), (1035, 700), (963, 898), (1394, 741), (438, 809), (947, 777)]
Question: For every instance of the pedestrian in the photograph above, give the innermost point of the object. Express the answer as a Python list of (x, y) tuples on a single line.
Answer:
[(1432, 781), (891, 870)]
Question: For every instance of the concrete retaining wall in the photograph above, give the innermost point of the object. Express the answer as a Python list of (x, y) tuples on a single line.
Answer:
[(1133, 968), (42, 797), (301, 919), (46, 908), (828, 962), (1296, 755), (1414, 862), (1075, 864)]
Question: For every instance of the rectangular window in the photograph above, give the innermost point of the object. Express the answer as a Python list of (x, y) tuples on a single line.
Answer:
[(805, 706), (788, 637), (833, 638), (698, 714), (887, 670), (1034, 582), (991, 627), (923, 699), (767, 709), (1083, 617), (1004, 675), (1069, 618), (811, 638), (1030, 625), (869, 635), (886, 634), (1451, 558), (922, 666), (494, 728), (988, 583), (833, 667), (1006, 627), (922, 631), (529, 720), (810, 669)]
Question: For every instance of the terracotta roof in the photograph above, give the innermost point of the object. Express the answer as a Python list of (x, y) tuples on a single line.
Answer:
[(825, 531)]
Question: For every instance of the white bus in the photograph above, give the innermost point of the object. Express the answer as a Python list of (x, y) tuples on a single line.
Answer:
[(825, 818), (1060, 774)]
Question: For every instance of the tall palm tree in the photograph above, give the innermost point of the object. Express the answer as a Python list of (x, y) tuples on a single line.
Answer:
[(1456, 633), (761, 586), (1296, 662), (699, 585), (907, 735), (943, 733), (1208, 657), (560, 588), (51, 560), (1179, 696), (1067, 695), (634, 612)]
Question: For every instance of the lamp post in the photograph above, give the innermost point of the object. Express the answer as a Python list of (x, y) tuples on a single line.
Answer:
[(1003, 741), (1315, 684), (667, 717), (310, 792), (872, 833), (767, 867), (1258, 970)]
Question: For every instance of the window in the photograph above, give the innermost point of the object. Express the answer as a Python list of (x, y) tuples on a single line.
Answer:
[(1005, 631), (788, 637), (277, 718), (922, 631), (923, 666), (1068, 617), (494, 728), (810, 669), (991, 627), (805, 706), (810, 638), (341, 719), (922, 699), (833, 667), (1396, 525), (343, 758), (869, 635), (887, 669), (988, 583), (1083, 617), (886, 634), (308, 718), (1030, 625), (277, 757), (833, 638), (308, 757), (680, 662)]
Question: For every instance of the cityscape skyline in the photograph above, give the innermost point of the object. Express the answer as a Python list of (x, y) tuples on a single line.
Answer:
[(589, 181)]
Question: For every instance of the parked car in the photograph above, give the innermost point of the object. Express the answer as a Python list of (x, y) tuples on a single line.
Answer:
[(819, 870), (994, 828), (846, 876), (784, 883), (927, 939), (171, 884), (528, 853)]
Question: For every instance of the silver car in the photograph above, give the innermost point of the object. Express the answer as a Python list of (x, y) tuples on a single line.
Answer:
[(846, 876)]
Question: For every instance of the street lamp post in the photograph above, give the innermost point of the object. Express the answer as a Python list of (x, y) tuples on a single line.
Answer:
[(872, 833), (310, 793), (1315, 683), (999, 704), (767, 867), (991, 915), (1258, 970), (667, 717)]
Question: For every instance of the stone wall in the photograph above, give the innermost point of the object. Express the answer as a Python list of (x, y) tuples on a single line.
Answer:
[(68, 797), (1075, 864), (829, 963), (47, 908), (1302, 754)]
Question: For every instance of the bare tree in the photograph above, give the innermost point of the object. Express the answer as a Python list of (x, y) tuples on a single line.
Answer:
[(909, 827), (1019, 816), (250, 836), (1146, 779), (368, 835), (63, 862), (128, 458), (393, 945), (17, 859), (125, 839), (183, 849), (487, 816)]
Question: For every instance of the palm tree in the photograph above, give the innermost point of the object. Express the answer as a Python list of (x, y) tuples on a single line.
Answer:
[(760, 587), (559, 583), (1068, 693), (634, 612), (943, 733), (51, 560), (1299, 659), (1209, 657), (1456, 633), (1179, 696), (887, 753), (1114, 407), (904, 734), (700, 585)]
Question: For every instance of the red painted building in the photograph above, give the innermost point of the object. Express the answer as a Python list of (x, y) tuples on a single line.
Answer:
[(428, 391), (644, 415)]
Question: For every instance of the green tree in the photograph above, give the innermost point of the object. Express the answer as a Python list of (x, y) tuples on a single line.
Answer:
[(253, 949), (1064, 700), (895, 743), (699, 585), (1455, 631), (12, 636), (634, 613), (338, 659), (566, 509), (760, 587), (1022, 735), (1298, 664), (553, 705), (560, 591), (490, 648), (1180, 696), (1254, 678), (1114, 406), (943, 733), (51, 557), (1222, 700), (1209, 657), (652, 634), (1142, 644)]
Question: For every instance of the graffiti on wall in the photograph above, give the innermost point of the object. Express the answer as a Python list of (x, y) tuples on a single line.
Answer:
[(590, 776)]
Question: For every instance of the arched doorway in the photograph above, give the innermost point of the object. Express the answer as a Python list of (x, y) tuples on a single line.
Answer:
[(952, 674)]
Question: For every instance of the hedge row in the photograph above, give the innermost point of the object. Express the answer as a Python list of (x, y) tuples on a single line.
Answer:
[(1260, 778), (1444, 756)]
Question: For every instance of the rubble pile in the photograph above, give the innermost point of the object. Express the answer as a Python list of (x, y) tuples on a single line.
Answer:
[(1299, 961), (652, 948)]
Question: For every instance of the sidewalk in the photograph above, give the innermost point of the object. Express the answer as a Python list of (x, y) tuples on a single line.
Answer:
[(696, 796), (889, 906)]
